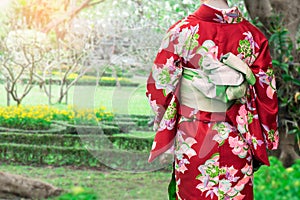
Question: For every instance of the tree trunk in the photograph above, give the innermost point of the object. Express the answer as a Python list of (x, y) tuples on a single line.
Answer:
[(19, 186)]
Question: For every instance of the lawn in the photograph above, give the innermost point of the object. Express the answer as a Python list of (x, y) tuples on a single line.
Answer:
[(270, 183), (122, 100), (108, 185)]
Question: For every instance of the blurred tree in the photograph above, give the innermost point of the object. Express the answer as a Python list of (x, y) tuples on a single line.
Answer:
[(67, 51), (22, 53)]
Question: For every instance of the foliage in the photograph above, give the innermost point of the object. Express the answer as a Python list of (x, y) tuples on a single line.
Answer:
[(276, 182), (79, 193), (288, 76)]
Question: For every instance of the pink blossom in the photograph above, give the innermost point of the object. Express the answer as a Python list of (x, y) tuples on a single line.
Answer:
[(247, 169), (170, 64), (270, 90), (239, 197), (182, 168), (240, 185), (213, 52), (276, 142), (239, 147), (242, 119), (230, 174), (243, 111)]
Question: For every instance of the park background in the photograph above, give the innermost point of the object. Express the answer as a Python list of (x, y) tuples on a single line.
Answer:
[(73, 107)]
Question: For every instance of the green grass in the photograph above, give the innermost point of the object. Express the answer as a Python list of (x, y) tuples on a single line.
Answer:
[(108, 185), (123, 100), (136, 134), (270, 183)]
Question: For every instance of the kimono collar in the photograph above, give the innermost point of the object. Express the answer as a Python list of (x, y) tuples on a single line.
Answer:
[(208, 13)]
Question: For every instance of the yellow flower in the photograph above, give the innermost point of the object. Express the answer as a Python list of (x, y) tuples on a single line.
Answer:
[(290, 170), (77, 190)]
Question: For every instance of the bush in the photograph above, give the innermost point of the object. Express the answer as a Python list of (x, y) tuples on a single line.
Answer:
[(276, 182), (78, 193), (141, 141), (68, 149), (104, 81), (28, 118), (41, 117)]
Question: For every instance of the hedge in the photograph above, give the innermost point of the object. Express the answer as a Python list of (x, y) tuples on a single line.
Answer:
[(89, 80), (132, 116), (54, 129), (123, 126), (64, 140), (43, 154), (58, 156), (131, 141), (101, 129), (120, 141)]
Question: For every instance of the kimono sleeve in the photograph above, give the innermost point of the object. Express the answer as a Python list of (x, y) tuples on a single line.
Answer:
[(265, 96), (164, 78), (162, 87)]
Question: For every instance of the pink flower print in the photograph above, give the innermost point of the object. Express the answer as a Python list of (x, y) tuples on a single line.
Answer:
[(181, 165), (276, 142), (230, 174), (190, 141), (256, 142), (241, 119), (272, 136), (247, 169), (212, 192), (154, 105), (167, 124), (193, 113), (241, 184), (209, 175), (271, 89), (170, 64), (248, 138), (186, 147), (213, 52), (239, 147), (243, 111), (224, 185), (263, 78), (249, 37), (175, 33), (239, 197)]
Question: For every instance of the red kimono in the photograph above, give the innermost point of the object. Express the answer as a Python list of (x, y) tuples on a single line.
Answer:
[(214, 151)]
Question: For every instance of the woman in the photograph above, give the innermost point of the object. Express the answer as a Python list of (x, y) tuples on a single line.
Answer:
[(212, 89)]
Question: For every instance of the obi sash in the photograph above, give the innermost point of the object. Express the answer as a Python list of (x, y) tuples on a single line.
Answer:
[(215, 87)]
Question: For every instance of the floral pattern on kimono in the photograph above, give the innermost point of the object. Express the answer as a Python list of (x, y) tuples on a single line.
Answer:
[(213, 151)]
